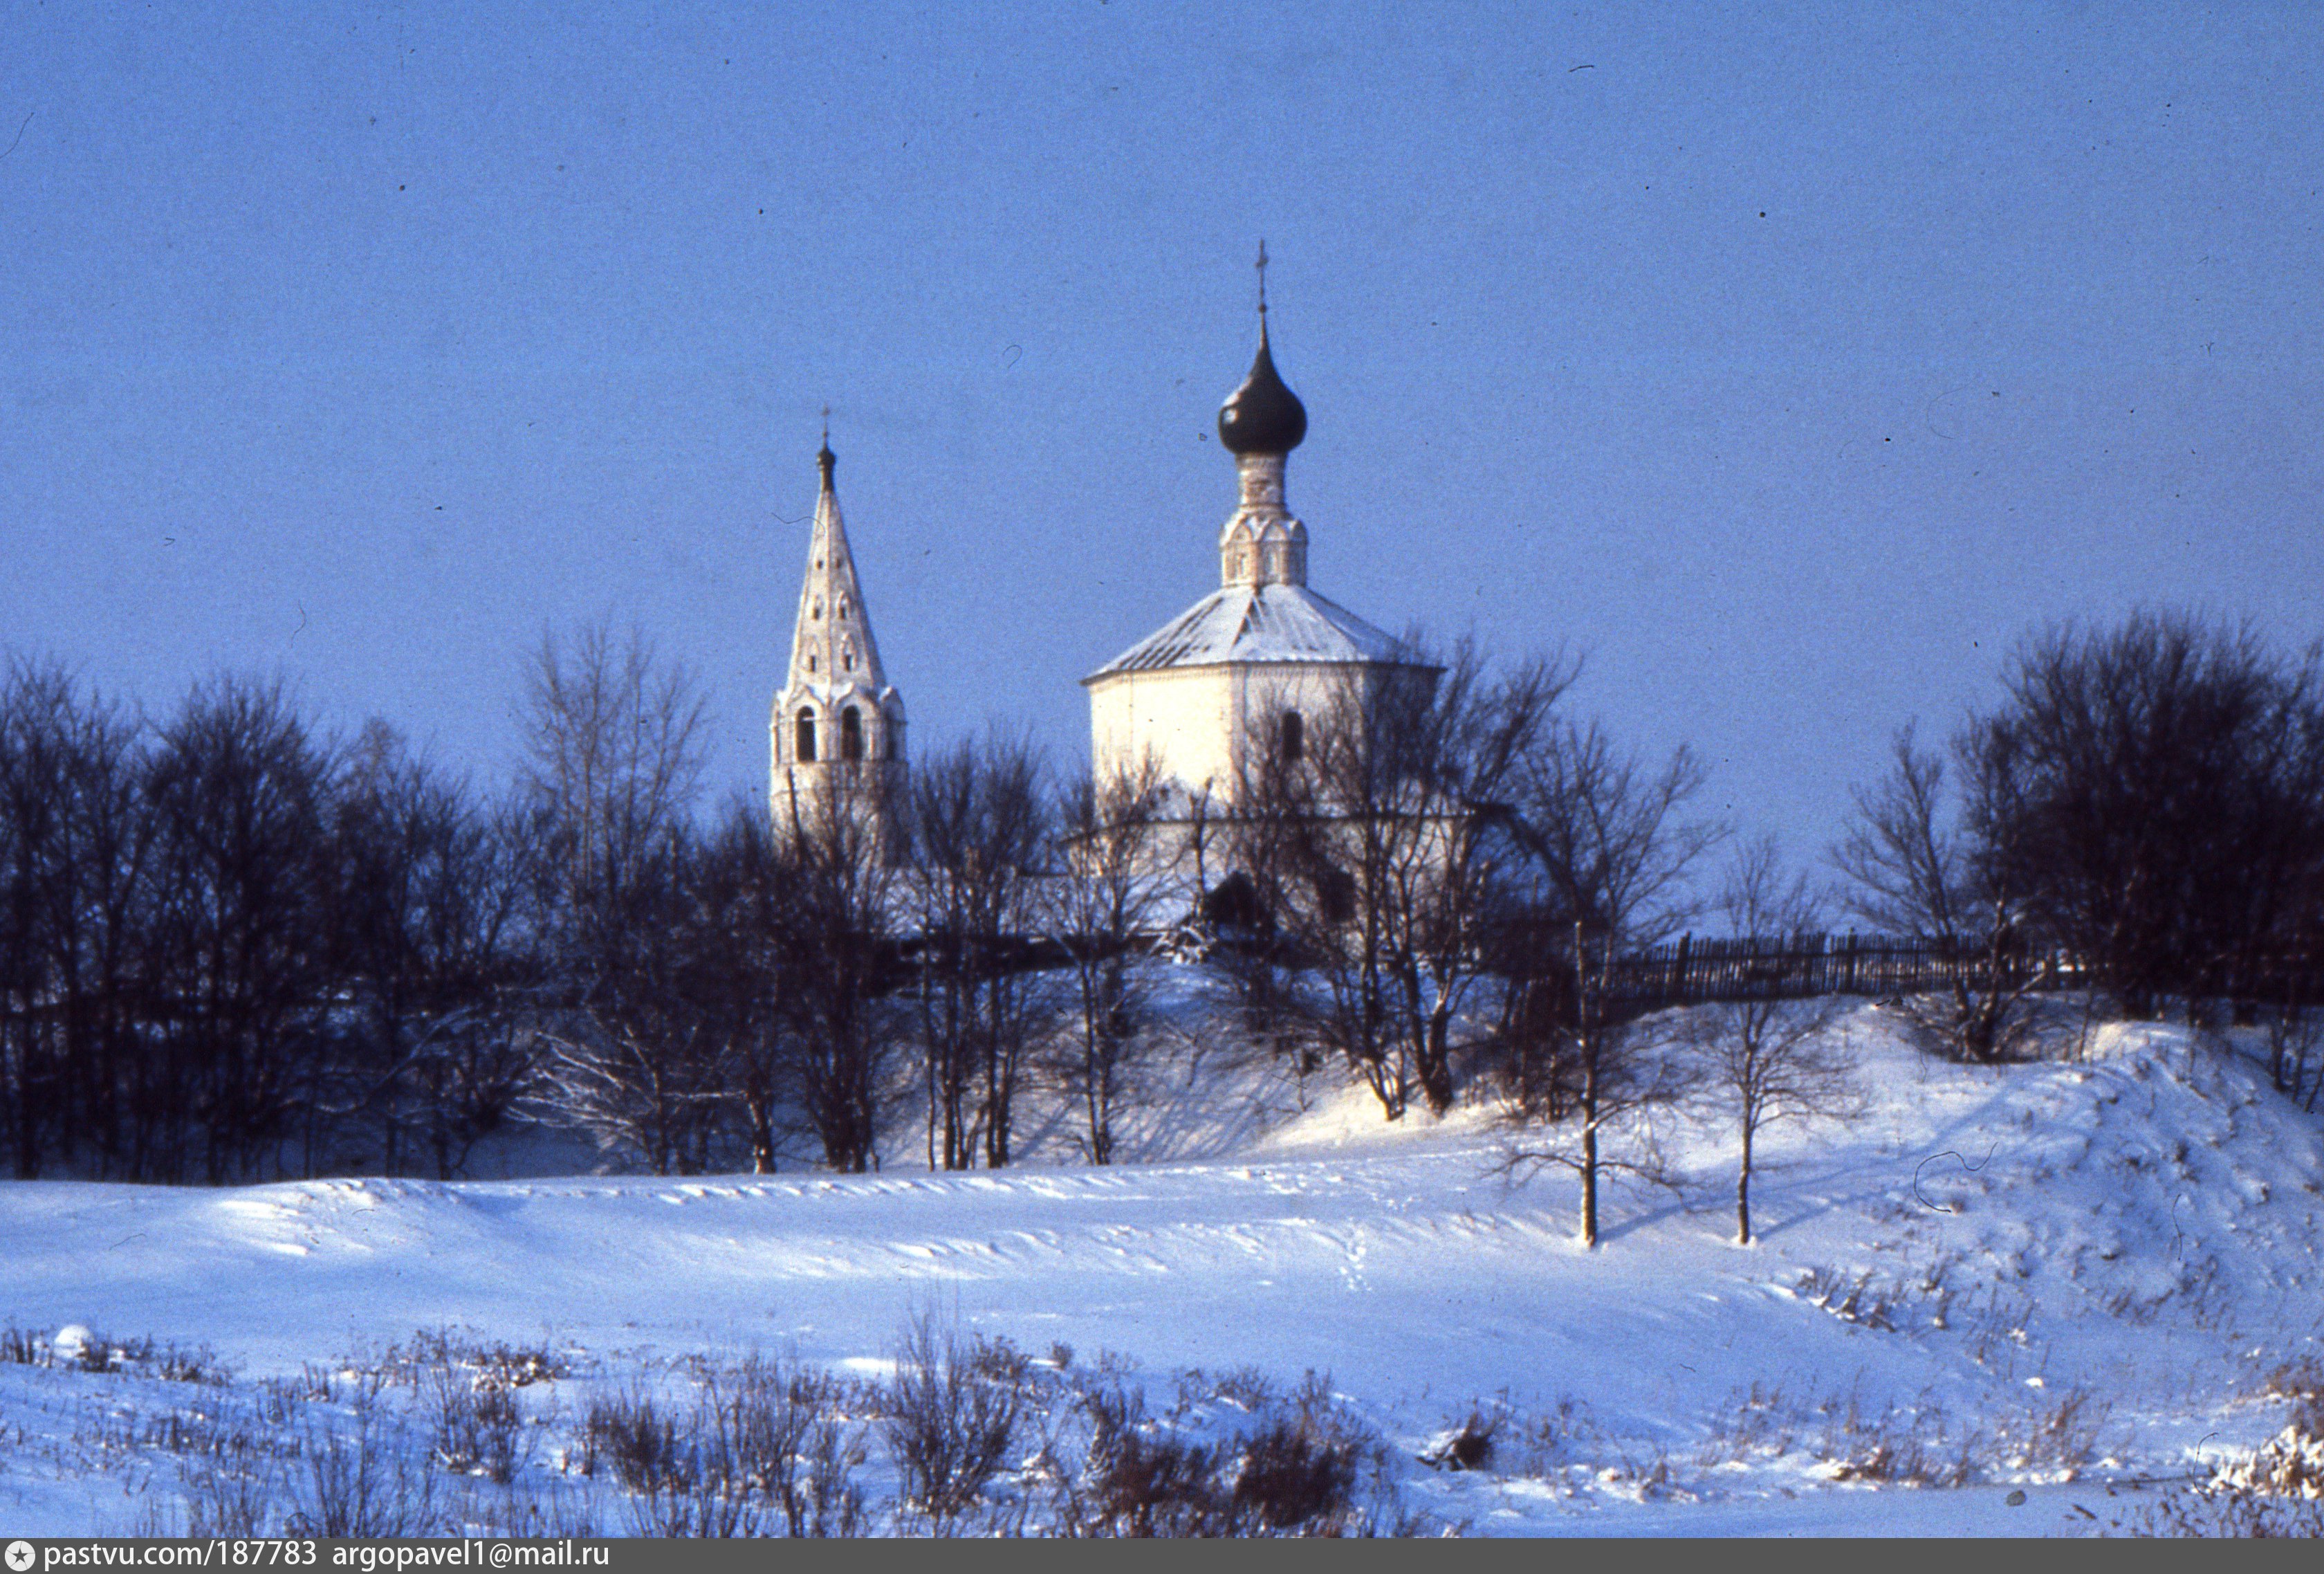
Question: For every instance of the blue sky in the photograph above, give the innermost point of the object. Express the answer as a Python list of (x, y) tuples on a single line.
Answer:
[(1790, 362)]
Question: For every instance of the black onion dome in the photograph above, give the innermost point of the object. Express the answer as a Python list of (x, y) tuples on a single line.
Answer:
[(1263, 416)]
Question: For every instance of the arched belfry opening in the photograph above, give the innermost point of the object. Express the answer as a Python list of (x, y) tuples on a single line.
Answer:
[(804, 748), (850, 734)]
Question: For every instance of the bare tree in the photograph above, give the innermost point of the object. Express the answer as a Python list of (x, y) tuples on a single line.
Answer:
[(980, 832), (837, 851), (36, 726), (736, 976), (630, 1059), (2159, 787), (613, 745), (99, 911), (1766, 1058), (614, 760), (1341, 820), (1391, 811), (1102, 904), (1468, 750), (427, 911), (239, 788), (1914, 872), (614, 763), (1253, 843), (1607, 865)]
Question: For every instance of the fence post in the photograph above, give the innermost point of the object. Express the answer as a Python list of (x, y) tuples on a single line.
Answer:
[(1678, 976), (1849, 987)]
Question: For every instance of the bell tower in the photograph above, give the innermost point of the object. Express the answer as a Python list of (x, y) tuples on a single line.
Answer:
[(838, 723)]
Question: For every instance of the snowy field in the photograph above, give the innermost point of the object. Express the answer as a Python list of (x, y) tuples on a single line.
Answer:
[(2014, 1302)]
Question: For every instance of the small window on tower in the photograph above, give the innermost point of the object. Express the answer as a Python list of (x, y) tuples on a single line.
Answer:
[(818, 606), (1295, 736), (851, 735), (843, 607), (848, 656), (807, 737), (810, 662)]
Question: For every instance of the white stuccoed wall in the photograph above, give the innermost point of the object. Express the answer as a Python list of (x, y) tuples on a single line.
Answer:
[(1198, 721)]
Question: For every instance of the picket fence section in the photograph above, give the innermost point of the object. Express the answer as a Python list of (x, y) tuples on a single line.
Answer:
[(1694, 969)]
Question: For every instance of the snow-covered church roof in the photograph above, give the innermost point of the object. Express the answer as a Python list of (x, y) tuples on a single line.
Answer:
[(1259, 623), (1262, 612)]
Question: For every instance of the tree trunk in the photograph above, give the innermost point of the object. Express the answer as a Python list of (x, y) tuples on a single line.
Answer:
[(1743, 1190), (762, 1141), (1590, 1148), (1437, 1062)]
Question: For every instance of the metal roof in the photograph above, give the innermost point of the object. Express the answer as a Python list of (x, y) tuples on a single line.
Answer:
[(1261, 623)]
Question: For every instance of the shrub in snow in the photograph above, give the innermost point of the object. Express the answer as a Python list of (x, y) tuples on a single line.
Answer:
[(23, 1347), (2275, 1491), (1290, 1478), (634, 1437), (2291, 1464), (1468, 1447), (1135, 1482), (363, 1484), (223, 1501), (479, 1430), (1295, 1472), (952, 1413)]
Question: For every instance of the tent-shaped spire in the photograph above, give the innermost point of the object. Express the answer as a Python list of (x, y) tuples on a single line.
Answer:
[(832, 649), (836, 708)]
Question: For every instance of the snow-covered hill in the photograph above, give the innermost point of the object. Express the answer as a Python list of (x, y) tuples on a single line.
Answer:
[(2062, 1278)]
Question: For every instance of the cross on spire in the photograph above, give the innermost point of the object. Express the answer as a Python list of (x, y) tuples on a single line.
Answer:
[(1262, 276)]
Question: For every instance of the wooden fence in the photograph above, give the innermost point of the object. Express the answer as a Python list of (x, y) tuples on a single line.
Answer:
[(1696, 968)]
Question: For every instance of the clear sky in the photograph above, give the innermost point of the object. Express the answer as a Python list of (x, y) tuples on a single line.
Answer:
[(1790, 362)]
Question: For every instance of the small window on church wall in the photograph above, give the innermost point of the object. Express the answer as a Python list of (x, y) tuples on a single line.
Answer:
[(1295, 736), (851, 735), (848, 656), (810, 662), (818, 606), (807, 737)]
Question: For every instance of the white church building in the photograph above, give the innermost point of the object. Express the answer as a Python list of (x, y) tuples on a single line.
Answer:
[(1256, 664), (1259, 662)]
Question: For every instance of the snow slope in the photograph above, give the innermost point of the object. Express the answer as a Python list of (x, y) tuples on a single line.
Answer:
[(2061, 1274)]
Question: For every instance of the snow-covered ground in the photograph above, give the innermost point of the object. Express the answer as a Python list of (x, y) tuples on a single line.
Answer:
[(2062, 1279)]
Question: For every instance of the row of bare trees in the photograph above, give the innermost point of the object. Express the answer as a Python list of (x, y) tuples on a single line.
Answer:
[(235, 948), (2142, 813), (232, 947), (798, 982), (220, 934), (1440, 878), (2143, 807)]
